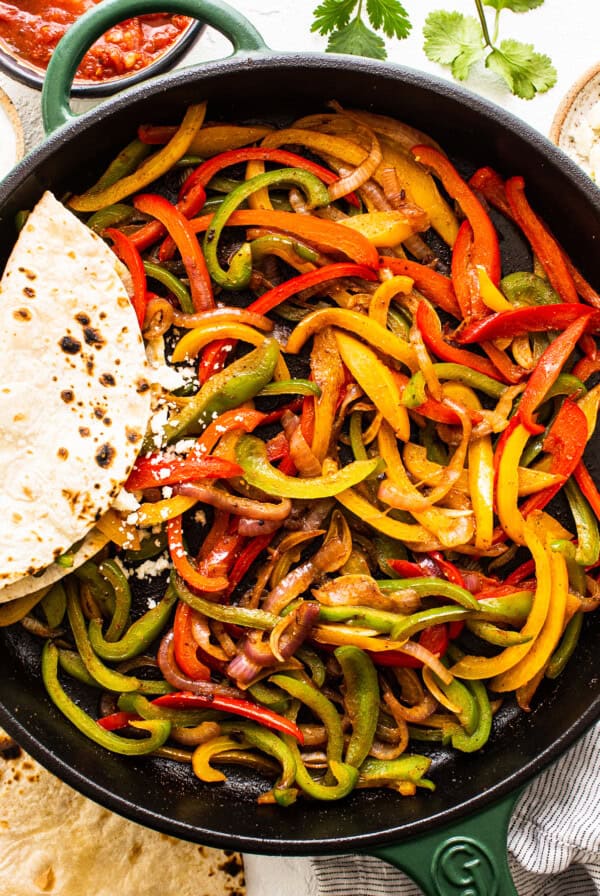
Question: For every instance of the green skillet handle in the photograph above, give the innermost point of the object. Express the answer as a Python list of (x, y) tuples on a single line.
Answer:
[(56, 109), (467, 858)]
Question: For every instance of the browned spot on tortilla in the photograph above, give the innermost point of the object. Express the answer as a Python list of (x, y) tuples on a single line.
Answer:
[(29, 274), (22, 314), (102, 315), (46, 879), (123, 302), (67, 395), (135, 851), (133, 435), (70, 497), (105, 455), (89, 366), (82, 318), (62, 453), (84, 431), (107, 379), (18, 417), (99, 412), (29, 291), (69, 345), (93, 337), (142, 386), (107, 421), (27, 492)]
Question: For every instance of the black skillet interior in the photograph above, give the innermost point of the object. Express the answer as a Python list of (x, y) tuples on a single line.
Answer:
[(165, 795)]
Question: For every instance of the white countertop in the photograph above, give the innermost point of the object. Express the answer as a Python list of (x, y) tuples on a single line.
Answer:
[(565, 31)]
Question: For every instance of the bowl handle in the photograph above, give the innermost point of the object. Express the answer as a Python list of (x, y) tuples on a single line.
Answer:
[(466, 857), (56, 109)]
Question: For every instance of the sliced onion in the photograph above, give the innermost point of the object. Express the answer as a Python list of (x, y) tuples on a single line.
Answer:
[(251, 528), (173, 674), (201, 635), (429, 659), (239, 506), (360, 175)]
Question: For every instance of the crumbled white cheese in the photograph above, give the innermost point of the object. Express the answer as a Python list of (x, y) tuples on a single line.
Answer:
[(150, 568), (167, 491), (167, 377), (125, 502)]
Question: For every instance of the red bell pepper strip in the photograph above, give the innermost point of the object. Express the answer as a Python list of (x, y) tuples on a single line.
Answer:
[(435, 639), (207, 170), (117, 720), (431, 331), (246, 558), (213, 358), (234, 705), (586, 367), (406, 569), (521, 573), (546, 372), (155, 470), (449, 570), (486, 249), (149, 233), (183, 564), (124, 248), (565, 443), (528, 319), (434, 286), (185, 646), (587, 486), (490, 185), (542, 242), (510, 373), (281, 293), (464, 275), (182, 233), (246, 419)]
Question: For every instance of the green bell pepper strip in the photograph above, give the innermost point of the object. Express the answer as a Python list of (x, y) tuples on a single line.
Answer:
[(566, 384), (315, 664), (410, 767), (470, 741), (468, 706), (586, 524), (251, 454), (356, 436), (273, 698), (430, 586), (71, 663), (158, 731), (526, 288), (107, 678), (321, 706), (398, 322), (436, 450), (567, 645), (385, 549), (510, 608), (272, 242), (230, 614), (381, 620), (361, 699), (291, 387), (428, 735), (172, 283), (111, 216), (112, 572), (240, 269), (416, 622), (415, 394), (152, 546), (101, 589), (228, 388), (500, 637), (346, 777), (125, 163), (138, 636), (141, 706), (272, 745), (54, 605)]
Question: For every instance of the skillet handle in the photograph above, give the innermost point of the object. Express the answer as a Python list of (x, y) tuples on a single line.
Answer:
[(467, 858), (56, 109)]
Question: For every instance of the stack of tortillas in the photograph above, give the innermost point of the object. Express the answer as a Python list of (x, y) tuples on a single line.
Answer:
[(55, 841)]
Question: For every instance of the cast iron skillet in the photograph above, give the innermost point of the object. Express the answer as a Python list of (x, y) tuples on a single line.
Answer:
[(458, 833)]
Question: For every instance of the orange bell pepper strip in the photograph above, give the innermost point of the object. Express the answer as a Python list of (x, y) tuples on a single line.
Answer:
[(465, 277), (547, 371), (588, 487), (486, 249), (152, 231), (543, 646), (478, 667), (431, 330), (541, 240), (283, 291), (183, 564), (185, 647), (434, 286)]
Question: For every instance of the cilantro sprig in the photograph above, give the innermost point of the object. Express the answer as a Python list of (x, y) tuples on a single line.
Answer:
[(459, 41), (344, 22)]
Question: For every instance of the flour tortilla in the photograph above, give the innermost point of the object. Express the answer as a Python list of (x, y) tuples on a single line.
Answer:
[(74, 396), (55, 841)]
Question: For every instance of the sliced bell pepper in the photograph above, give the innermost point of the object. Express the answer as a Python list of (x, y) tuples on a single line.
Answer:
[(431, 330), (588, 487), (528, 319), (130, 256), (361, 700), (183, 564), (274, 297), (486, 249), (434, 286), (185, 646), (155, 470), (465, 278)]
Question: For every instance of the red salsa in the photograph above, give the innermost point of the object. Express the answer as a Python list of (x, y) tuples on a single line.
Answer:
[(32, 28)]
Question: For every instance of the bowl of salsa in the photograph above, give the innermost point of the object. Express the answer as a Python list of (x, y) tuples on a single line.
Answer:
[(127, 53)]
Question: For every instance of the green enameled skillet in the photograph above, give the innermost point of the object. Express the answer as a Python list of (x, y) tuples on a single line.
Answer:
[(452, 841)]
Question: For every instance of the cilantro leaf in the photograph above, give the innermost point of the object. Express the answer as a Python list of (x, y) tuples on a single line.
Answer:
[(454, 40), (514, 5), (332, 14), (390, 17), (357, 40), (525, 71)]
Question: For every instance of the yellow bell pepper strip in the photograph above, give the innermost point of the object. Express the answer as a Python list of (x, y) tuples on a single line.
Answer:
[(178, 227), (507, 489), (159, 731), (251, 454), (210, 140), (481, 479), (479, 667), (448, 528), (328, 375), (437, 288), (192, 342), (15, 610), (358, 324), (156, 512), (372, 516), (240, 269), (490, 294), (376, 380), (203, 754), (486, 249), (361, 701), (138, 637), (123, 164), (547, 371), (150, 169), (383, 295), (589, 403), (539, 653), (237, 383), (386, 229), (118, 531)]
